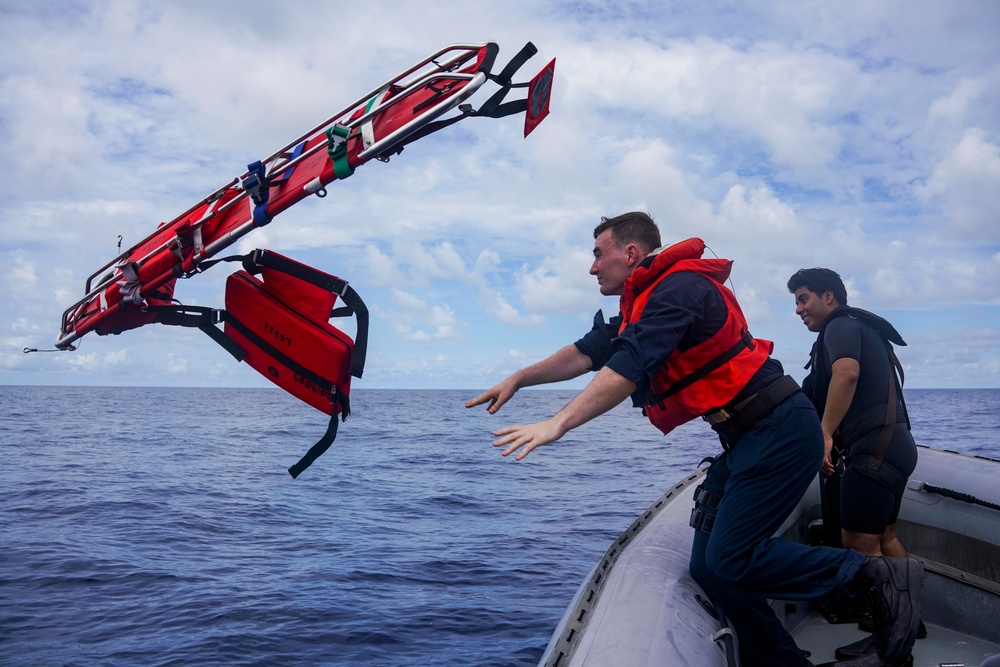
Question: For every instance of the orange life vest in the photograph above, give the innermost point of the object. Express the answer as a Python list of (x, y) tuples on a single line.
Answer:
[(710, 374)]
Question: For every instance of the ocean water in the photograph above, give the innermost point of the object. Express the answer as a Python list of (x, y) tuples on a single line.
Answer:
[(149, 527)]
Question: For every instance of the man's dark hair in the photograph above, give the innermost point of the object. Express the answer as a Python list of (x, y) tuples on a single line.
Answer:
[(634, 227), (818, 281)]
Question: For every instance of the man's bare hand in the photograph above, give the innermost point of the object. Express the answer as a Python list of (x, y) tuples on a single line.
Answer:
[(527, 437), (827, 465), (497, 396)]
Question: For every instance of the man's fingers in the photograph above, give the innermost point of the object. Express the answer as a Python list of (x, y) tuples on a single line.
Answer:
[(506, 435), (494, 399), (478, 400), (514, 438)]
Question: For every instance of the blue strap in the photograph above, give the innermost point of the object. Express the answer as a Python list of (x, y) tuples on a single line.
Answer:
[(296, 151), (256, 185)]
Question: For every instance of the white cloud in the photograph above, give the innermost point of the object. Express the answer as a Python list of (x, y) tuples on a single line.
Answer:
[(968, 183), (421, 321), (559, 284), (863, 137)]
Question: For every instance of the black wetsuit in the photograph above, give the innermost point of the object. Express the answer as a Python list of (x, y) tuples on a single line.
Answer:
[(867, 503)]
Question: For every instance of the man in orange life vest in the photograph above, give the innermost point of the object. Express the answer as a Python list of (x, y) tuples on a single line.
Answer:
[(680, 347)]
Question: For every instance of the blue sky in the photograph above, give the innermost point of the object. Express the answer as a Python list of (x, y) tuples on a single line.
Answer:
[(861, 136)]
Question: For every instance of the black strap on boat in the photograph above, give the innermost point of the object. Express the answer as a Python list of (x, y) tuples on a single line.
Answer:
[(725, 634), (958, 495)]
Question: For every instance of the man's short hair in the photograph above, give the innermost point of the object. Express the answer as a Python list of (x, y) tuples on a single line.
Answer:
[(818, 281), (633, 227)]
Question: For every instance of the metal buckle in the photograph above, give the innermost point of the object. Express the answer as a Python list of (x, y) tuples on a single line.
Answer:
[(701, 520)]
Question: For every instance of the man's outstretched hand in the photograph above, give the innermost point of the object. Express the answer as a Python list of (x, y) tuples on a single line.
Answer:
[(527, 437)]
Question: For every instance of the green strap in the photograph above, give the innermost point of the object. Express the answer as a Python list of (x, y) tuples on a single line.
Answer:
[(338, 151)]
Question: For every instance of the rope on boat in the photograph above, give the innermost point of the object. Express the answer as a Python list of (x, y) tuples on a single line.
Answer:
[(958, 495)]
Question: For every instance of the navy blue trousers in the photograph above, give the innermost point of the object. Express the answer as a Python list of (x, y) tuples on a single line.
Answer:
[(740, 564)]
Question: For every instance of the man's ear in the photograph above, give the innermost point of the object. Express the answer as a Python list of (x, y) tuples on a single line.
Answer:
[(633, 255), (828, 297)]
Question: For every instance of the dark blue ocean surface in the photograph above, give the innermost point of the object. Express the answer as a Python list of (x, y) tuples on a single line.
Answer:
[(159, 526)]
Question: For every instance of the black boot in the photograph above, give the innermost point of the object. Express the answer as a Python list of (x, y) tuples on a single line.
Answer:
[(855, 649), (894, 588)]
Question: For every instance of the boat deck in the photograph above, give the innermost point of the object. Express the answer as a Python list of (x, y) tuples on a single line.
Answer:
[(640, 607), (940, 647)]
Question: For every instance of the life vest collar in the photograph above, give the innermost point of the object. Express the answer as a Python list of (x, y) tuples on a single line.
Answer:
[(665, 257), (880, 324)]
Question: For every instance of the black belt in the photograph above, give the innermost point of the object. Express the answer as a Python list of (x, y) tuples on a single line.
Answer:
[(731, 422)]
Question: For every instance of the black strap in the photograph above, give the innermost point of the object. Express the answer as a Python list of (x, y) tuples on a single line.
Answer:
[(265, 345), (765, 401), (200, 317), (745, 342), (336, 396), (494, 107), (507, 73), (874, 461), (256, 260), (316, 450)]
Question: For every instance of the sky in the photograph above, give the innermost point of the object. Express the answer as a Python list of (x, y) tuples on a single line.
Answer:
[(861, 135)]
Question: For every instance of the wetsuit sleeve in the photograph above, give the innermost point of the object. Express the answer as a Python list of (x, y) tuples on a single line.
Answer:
[(596, 343), (684, 310), (842, 338), (847, 337)]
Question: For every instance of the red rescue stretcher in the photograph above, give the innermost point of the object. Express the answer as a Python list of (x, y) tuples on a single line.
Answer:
[(279, 322), (376, 126)]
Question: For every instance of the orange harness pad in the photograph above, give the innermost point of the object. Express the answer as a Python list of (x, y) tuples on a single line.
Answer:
[(295, 348)]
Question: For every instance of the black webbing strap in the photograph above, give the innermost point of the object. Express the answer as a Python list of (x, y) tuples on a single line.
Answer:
[(316, 450), (271, 350), (256, 260), (200, 317), (493, 107), (338, 286), (764, 402), (336, 396), (874, 461), (745, 342)]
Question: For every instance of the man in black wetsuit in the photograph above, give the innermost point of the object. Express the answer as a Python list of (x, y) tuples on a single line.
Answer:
[(854, 386), (680, 348)]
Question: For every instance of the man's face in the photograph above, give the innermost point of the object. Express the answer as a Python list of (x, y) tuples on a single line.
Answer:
[(814, 309), (612, 265)]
